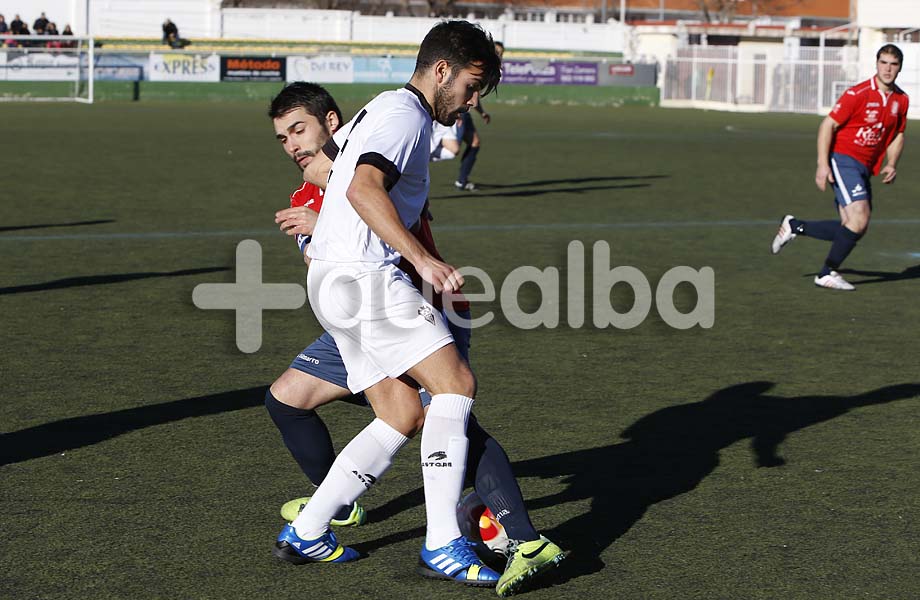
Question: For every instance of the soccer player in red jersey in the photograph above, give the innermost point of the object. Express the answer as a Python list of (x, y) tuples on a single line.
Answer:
[(305, 117), (863, 131)]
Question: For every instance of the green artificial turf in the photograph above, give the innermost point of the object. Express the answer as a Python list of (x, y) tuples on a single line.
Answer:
[(770, 456)]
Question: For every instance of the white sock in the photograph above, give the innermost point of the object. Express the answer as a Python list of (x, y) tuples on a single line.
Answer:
[(444, 446), (358, 466)]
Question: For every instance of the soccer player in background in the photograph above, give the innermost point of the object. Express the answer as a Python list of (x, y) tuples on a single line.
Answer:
[(864, 129), (304, 116), (445, 140), (471, 138)]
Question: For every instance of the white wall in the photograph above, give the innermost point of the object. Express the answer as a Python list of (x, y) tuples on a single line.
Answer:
[(343, 26), (284, 24), (144, 18), (888, 13), (205, 19)]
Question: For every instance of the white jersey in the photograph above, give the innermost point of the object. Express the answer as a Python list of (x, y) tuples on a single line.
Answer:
[(392, 133)]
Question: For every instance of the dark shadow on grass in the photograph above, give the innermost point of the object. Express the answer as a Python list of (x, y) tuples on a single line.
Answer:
[(665, 454), (490, 186), (77, 432), (71, 282), (47, 225), (883, 276), (531, 193)]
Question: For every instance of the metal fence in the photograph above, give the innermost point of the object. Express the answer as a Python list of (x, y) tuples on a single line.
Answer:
[(758, 79)]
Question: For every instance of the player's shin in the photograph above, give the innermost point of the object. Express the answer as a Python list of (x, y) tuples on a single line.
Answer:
[(360, 464), (444, 450), (496, 485)]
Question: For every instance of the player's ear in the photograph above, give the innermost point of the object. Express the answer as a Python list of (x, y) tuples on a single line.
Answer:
[(332, 121), (441, 71)]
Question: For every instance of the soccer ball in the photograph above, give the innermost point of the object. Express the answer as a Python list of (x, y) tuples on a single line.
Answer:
[(478, 524)]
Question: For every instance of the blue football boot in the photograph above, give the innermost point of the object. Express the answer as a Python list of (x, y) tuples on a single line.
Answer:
[(458, 562), (326, 548)]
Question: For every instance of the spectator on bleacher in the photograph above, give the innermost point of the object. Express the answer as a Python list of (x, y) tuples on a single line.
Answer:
[(68, 31), (169, 29), (41, 23), (16, 25), (53, 30), (4, 28), (171, 36), (23, 30)]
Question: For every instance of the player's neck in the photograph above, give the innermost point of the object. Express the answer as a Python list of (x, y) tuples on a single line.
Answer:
[(426, 87), (885, 89)]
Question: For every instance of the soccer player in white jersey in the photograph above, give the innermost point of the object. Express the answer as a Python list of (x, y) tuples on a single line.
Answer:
[(305, 116), (445, 141), (388, 334)]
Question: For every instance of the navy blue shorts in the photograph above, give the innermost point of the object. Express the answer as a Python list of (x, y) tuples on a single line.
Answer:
[(851, 180), (322, 359)]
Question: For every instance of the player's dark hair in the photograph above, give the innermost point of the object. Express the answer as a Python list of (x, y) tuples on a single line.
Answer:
[(892, 50), (311, 97), (462, 44)]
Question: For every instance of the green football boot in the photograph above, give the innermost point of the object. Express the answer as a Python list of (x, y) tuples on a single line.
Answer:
[(527, 560), (292, 508)]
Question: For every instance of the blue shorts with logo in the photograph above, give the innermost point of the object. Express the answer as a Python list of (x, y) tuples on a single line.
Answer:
[(322, 360), (851, 179)]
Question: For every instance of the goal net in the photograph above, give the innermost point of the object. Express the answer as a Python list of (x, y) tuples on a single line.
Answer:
[(45, 68)]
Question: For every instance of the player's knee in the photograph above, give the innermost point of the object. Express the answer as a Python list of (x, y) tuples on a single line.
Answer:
[(464, 382), (408, 423), (287, 391), (858, 221)]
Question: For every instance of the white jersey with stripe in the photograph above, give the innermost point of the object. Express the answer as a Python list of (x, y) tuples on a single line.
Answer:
[(393, 134)]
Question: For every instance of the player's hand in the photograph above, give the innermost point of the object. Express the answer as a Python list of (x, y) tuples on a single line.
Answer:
[(441, 276), (297, 220), (888, 174), (823, 176), (486, 117)]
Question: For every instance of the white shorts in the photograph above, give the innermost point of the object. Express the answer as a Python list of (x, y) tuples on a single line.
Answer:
[(381, 323)]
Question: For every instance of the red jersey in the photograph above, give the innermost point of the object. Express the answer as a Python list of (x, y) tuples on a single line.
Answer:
[(311, 196), (869, 120), (307, 195)]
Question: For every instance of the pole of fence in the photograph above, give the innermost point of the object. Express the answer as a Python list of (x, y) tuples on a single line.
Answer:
[(821, 39), (820, 73)]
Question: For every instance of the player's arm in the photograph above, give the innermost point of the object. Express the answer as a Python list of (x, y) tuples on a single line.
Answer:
[(300, 220), (482, 112), (368, 195), (317, 171), (826, 132), (892, 154)]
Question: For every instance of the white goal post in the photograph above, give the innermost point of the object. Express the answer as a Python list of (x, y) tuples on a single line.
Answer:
[(46, 68)]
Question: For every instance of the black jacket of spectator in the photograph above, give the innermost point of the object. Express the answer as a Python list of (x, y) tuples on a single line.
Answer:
[(40, 23), (16, 26), (4, 28), (170, 28)]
